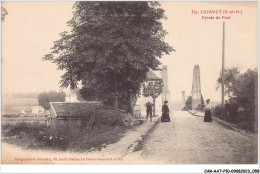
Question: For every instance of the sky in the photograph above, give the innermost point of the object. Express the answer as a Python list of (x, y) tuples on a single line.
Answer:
[(30, 28)]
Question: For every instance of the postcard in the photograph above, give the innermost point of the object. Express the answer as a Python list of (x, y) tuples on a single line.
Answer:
[(129, 82)]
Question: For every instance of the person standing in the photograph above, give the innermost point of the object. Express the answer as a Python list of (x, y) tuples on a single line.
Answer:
[(149, 110), (165, 112), (207, 117)]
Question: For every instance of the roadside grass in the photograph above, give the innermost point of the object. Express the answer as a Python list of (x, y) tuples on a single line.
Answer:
[(68, 135), (242, 119), (96, 138)]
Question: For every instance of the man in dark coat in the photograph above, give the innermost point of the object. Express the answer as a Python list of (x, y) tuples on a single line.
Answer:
[(149, 110), (165, 113)]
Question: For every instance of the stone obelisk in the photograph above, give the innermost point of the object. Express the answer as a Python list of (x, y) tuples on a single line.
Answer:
[(196, 88)]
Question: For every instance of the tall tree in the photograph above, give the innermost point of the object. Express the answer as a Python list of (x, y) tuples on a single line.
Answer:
[(111, 47), (231, 76), (245, 89), (242, 89)]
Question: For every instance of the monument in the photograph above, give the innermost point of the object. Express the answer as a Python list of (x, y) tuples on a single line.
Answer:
[(196, 88)]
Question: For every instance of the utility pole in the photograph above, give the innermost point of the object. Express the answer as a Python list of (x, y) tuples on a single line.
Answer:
[(223, 64)]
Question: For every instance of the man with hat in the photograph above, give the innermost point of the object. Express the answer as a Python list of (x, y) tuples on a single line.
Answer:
[(165, 112), (149, 110)]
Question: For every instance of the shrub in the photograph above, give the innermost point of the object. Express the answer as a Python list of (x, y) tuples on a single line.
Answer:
[(217, 110), (109, 117), (28, 128), (200, 108)]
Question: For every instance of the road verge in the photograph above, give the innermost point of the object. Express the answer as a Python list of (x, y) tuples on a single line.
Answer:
[(138, 144), (221, 122)]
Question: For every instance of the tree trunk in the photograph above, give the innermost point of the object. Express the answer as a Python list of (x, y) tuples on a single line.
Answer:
[(131, 102), (154, 107), (116, 93)]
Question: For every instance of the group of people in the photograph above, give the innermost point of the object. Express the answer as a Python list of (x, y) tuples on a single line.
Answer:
[(165, 112)]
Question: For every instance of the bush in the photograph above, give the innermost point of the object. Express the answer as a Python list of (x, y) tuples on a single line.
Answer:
[(200, 108), (109, 117), (242, 89), (244, 119), (28, 128), (217, 111)]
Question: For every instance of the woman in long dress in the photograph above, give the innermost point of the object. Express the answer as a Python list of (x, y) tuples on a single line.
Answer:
[(165, 113), (207, 117)]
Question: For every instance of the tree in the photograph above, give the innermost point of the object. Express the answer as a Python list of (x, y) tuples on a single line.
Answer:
[(245, 89), (45, 98), (242, 89), (111, 47), (188, 101), (153, 89), (231, 76), (187, 104)]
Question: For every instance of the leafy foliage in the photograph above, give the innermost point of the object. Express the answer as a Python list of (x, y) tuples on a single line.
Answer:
[(242, 90), (242, 87), (231, 76), (245, 89), (45, 98), (153, 88), (111, 47)]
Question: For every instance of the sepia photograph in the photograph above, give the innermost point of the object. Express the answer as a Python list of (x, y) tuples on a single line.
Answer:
[(129, 82)]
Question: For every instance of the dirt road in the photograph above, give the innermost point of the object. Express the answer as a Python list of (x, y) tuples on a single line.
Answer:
[(189, 140)]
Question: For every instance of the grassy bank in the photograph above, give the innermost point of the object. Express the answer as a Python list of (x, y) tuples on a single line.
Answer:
[(37, 136), (242, 119), (108, 128)]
